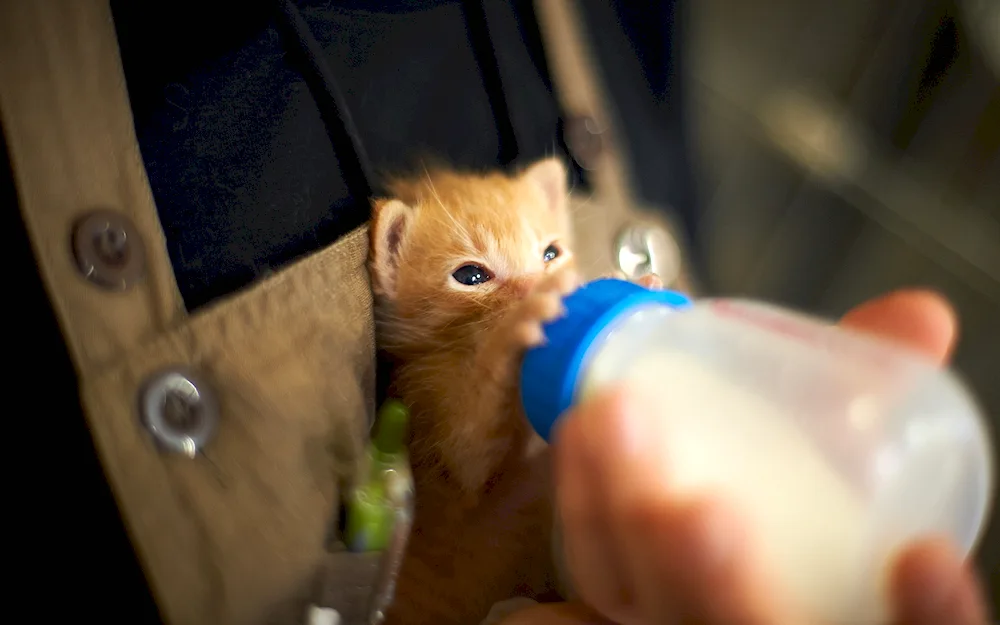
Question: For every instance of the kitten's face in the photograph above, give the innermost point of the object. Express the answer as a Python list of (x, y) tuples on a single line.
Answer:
[(455, 249)]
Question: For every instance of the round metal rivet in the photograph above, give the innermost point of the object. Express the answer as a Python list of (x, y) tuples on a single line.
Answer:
[(585, 138), (109, 251), (180, 410), (644, 249)]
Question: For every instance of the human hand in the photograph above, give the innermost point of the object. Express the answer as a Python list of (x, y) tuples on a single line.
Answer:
[(640, 559)]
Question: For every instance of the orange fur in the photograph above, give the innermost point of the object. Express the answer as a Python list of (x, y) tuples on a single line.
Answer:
[(457, 351), (458, 347)]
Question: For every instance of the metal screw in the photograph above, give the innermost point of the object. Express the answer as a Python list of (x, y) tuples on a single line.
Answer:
[(180, 410), (586, 139), (642, 249), (108, 250)]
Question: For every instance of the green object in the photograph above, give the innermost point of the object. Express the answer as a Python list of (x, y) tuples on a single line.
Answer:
[(393, 423), (371, 506)]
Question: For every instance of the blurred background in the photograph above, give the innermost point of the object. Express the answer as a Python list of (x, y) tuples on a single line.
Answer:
[(849, 148)]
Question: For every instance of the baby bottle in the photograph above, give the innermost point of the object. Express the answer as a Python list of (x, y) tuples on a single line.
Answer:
[(836, 447)]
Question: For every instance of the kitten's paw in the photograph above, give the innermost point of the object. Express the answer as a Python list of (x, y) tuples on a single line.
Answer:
[(542, 305), (536, 310), (564, 281)]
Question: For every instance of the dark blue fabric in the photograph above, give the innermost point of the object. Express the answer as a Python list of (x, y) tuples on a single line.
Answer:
[(238, 127), (241, 168)]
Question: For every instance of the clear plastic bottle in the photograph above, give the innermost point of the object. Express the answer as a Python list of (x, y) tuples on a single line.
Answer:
[(837, 447)]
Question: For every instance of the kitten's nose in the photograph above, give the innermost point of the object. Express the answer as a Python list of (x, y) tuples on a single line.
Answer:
[(520, 287)]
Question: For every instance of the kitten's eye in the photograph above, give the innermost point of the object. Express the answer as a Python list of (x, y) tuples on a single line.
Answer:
[(551, 252), (471, 275)]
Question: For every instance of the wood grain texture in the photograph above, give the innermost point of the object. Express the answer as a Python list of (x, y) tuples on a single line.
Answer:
[(68, 124), (237, 537)]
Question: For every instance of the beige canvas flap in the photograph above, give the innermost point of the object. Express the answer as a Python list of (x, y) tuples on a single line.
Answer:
[(68, 124), (235, 537)]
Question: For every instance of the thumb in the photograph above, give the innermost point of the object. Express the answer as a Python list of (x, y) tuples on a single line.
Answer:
[(918, 319)]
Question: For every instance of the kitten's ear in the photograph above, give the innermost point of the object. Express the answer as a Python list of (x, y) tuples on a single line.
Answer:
[(550, 176), (391, 220)]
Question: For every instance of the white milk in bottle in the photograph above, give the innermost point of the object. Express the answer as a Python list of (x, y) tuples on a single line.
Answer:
[(836, 448)]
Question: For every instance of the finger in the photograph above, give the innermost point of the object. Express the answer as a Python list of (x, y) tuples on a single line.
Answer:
[(676, 559), (588, 551), (931, 585), (629, 478), (920, 320), (699, 563)]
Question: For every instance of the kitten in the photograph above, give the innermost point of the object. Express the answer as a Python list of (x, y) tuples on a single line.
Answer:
[(465, 269)]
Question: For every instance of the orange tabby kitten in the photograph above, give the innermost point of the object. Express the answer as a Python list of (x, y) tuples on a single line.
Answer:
[(465, 269)]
